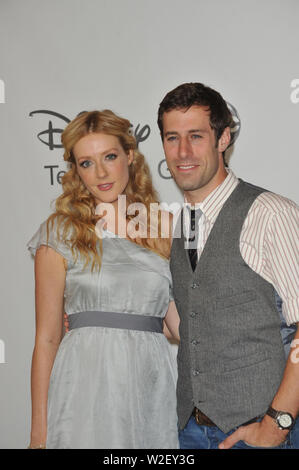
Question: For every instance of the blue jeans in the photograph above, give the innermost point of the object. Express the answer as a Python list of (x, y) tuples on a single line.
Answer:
[(194, 436)]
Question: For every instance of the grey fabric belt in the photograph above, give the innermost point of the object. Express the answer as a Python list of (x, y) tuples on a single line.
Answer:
[(125, 321)]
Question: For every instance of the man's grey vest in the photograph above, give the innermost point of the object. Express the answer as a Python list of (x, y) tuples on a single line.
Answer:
[(231, 357)]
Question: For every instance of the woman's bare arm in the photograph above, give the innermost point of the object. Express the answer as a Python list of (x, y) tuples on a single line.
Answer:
[(171, 320), (49, 291)]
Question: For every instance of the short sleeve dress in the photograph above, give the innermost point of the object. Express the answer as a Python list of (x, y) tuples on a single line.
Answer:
[(110, 387)]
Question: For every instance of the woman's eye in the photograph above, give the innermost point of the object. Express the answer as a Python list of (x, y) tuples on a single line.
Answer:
[(85, 164), (111, 156)]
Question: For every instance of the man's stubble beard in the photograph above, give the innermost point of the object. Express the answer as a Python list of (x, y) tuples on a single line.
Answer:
[(188, 185)]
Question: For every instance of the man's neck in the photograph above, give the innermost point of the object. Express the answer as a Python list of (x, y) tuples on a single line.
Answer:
[(199, 195)]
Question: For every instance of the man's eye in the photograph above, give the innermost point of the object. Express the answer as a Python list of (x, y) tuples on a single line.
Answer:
[(85, 164), (171, 138), (195, 136), (111, 156)]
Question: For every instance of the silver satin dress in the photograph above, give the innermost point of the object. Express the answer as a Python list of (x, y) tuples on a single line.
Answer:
[(109, 387)]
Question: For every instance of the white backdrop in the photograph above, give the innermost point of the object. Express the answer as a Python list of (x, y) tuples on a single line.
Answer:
[(66, 56)]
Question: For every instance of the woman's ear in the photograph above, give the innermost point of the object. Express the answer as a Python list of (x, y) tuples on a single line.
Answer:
[(130, 157)]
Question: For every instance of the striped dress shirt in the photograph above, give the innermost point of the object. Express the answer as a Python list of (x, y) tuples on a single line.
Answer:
[(269, 241)]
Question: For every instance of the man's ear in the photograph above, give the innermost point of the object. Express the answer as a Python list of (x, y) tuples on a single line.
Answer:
[(224, 140)]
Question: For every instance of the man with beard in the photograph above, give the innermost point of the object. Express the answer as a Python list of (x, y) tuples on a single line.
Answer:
[(236, 388)]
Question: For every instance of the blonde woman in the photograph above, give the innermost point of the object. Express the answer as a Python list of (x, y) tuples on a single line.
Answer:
[(110, 381)]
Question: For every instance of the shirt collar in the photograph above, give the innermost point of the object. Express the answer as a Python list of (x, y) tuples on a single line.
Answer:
[(213, 203)]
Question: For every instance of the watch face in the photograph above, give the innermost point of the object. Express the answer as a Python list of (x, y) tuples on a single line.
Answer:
[(284, 420)]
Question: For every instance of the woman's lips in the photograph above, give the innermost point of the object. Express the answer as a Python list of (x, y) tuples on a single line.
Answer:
[(105, 187)]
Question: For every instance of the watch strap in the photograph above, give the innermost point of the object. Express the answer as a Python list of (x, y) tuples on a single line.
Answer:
[(278, 414), (271, 412)]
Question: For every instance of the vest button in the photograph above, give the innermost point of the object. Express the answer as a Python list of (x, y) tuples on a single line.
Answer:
[(194, 342), (193, 314), (195, 372), (194, 285)]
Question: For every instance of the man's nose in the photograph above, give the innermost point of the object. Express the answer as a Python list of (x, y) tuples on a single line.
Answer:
[(184, 148)]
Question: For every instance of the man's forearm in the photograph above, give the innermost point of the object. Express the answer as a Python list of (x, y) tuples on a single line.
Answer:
[(267, 433), (287, 396)]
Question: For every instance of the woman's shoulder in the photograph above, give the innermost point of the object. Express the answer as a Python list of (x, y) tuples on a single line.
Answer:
[(52, 232)]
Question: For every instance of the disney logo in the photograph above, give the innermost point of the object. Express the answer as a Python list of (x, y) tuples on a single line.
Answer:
[(140, 133), (163, 170), (235, 130), (51, 131)]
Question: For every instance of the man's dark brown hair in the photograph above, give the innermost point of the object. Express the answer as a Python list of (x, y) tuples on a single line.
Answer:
[(196, 94)]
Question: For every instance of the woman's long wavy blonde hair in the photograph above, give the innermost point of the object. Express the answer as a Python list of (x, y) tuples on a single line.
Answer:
[(75, 207)]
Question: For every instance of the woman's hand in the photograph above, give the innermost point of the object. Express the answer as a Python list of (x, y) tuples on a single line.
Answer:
[(172, 321), (66, 322)]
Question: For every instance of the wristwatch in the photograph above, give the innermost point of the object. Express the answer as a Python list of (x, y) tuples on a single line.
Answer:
[(283, 419)]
